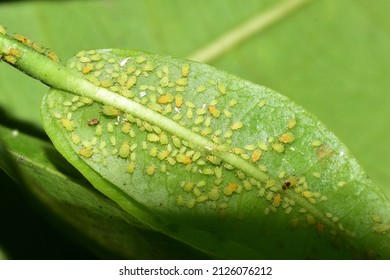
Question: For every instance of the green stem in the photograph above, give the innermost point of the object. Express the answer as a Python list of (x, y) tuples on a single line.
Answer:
[(55, 75)]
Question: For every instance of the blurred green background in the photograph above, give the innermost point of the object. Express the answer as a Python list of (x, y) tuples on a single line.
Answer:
[(331, 57)]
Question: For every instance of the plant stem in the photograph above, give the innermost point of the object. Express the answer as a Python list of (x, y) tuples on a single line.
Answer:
[(236, 36)]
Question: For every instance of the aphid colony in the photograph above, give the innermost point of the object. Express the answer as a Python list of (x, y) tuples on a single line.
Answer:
[(209, 110), (11, 55)]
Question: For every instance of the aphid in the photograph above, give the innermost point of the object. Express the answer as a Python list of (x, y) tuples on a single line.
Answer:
[(191, 203), (222, 89), (68, 124), (185, 69), (256, 155), (131, 167), (113, 140), (153, 151), (227, 113), (93, 122), (75, 139), (261, 103), (230, 189), (164, 99), (236, 125), (178, 100), (286, 185), (214, 111), (232, 102), (149, 66), (276, 201), (87, 68), (131, 82), (291, 123), (153, 137), (278, 147), (182, 81), (316, 143), (86, 152), (124, 150), (214, 160), (53, 56), (316, 174), (10, 59), (110, 111), (200, 89), (150, 170), (14, 52), (286, 137), (20, 38)]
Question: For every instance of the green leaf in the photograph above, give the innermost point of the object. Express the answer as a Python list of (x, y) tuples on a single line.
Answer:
[(228, 167), (76, 207)]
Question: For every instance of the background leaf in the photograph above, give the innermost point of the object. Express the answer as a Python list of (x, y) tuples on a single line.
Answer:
[(70, 201), (330, 57)]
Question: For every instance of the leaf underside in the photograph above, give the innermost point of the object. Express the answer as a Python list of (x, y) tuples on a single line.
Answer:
[(299, 193)]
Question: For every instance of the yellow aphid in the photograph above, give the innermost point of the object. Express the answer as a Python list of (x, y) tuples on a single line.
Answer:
[(10, 59), (277, 200), (124, 150), (185, 69), (279, 148), (308, 194), (178, 100), (150, 170), (126, 128), (86, 152), (316, 143), (164, 99), (53, 56), (222, 89), (68, 124), (131, 82), (110, 111), (87, 68), (191, 203), (14, 52), (214, 160), (286, 137), (153, 137), (20, 38), (99, 130), (200, 89), (236, 125), (182, 82), (183, 159), (262, 146), (230, 189), (75, 139), (291, 123), (214, 111), (213, 194), (131, 167), (232, 102), (256, 155)]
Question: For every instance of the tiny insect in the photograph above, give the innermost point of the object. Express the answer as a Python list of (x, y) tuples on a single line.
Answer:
[(286, 185), (93, 122)]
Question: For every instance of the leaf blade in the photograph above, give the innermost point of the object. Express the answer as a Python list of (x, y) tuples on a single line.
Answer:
[(297, 149)]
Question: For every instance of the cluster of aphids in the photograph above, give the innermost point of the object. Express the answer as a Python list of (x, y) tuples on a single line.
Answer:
[(11, 55)]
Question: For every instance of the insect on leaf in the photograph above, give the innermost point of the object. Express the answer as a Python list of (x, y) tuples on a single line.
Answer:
[(229, 167)]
